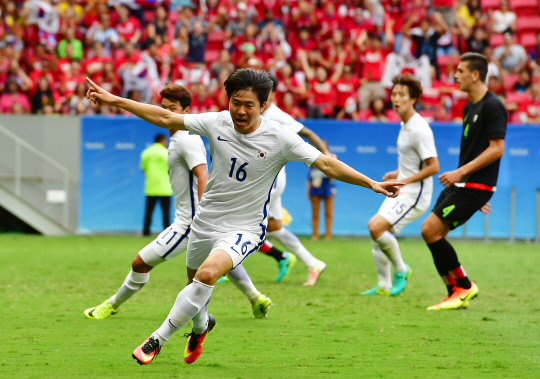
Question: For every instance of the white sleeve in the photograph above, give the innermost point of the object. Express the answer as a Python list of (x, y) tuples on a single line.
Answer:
[(193, 151), (200, 124), (286, 120), (295, 148), (425, 143)]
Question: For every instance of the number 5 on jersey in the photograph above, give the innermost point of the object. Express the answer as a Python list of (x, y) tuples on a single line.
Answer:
[(241, 174)]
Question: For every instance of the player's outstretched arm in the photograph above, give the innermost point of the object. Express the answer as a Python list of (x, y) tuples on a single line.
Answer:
[(151, 113), (340, 171), (316, 141)]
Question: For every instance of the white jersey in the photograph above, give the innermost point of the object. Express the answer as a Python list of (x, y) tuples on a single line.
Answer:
[(415, 145), (185, 153), (244, 168), (274, 113)]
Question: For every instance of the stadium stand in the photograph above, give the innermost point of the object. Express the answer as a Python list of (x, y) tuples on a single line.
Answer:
[(331, 56)]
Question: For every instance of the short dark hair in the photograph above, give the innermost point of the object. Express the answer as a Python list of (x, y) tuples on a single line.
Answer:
[(159, 137), (408, 80), (249, 80), (175, 92), (275, 82), (476, 62)]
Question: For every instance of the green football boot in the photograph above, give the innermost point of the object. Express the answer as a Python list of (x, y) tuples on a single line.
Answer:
[(102, 311)]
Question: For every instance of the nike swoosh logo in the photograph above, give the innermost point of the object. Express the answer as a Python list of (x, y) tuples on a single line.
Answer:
[(159, 243), (462, 298), (220, 139)]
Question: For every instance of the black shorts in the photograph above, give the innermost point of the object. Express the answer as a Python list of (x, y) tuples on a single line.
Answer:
[(456, 205)]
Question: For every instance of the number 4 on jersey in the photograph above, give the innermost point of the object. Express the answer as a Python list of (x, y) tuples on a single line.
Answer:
[(241, 174)]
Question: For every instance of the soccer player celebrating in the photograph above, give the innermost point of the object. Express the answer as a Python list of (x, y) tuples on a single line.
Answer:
[(469, 187), (188, 175), (417, 162), (248, 152)]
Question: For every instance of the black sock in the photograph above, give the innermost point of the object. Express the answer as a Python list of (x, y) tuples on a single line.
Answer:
[(276, 254), (463, 282), (450, 289), (440, 251)]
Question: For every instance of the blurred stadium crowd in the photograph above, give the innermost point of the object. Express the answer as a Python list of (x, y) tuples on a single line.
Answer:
[(334, 59)]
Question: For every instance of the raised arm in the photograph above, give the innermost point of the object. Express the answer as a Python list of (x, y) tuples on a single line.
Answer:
[(340, 171), (150, 113)]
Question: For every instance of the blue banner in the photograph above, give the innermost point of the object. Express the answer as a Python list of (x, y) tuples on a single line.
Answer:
[(112, 198)]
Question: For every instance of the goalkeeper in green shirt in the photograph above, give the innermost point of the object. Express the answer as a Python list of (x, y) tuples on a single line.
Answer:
[(157, 184)]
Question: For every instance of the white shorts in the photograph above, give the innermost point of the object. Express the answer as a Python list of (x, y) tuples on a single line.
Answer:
[(170, 243), (404, 209), (274, 207), (239, 245)]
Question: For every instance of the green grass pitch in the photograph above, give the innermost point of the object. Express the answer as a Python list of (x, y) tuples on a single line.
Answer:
[(327, 331)]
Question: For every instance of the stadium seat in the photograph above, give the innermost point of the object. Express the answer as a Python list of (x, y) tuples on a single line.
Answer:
[(496, 40), (391, 115), (215, 39), (515, 97), (524, 7), (490, 4), (364, 114), (211, 55), (528, 24), (443, 60), (509, 81), (527, 40)]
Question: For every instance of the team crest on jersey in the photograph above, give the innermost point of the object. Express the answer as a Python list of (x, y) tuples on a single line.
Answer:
[(261, 154)]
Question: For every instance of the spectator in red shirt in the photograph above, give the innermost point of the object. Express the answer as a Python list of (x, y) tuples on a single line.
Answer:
[(377, 110), (201, 102), (529, 108), (328, 20), (346, 86), (303, 16), (94, 65), (223, 61), (290, 107), (12, 96), (322, 90), (219, 94), (302, 42), (128, 27), (16, 73), (374, 59), (110, 81), (287, 82), (358, 24)]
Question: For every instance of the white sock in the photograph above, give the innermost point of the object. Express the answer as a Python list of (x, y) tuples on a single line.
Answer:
[(383, 267), (389, 245), (200, 321), (188, 304), (132, 284), (240, 278), (293, 244)]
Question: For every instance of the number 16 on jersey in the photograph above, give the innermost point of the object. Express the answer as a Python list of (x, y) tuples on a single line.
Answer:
[(241, 174)]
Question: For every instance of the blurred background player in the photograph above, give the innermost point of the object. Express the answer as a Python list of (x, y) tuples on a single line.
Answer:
[(275, 227), (321, 187), (188, 176), (471, 186), (156, 185), (417, 162)]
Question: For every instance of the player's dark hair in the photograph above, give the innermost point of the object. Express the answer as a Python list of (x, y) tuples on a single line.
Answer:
[(247, 79), (159, 137), (175, 92), (476, 62), (408, 80), (275, 82)]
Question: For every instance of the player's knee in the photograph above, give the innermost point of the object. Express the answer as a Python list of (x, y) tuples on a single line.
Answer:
[(374, 228), (427, 231), (138, 265), (207, 275)]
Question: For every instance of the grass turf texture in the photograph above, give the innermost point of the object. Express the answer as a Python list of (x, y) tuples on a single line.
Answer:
[(325, 331)]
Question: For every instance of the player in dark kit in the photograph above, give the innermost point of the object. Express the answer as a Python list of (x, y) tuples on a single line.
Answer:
[(471, 186)]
